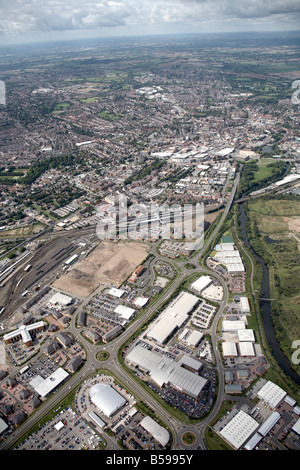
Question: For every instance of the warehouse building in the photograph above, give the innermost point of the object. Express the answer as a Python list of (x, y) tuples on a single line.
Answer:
[(239, 429), (165, 371), (106, 399), (202, 283), (60, 299), (97, 419), (233, 325), (252, 443), (271, 394), (141, 301), (229, 256), (171, 319), (246, 349), (229, 349), (269, 423), (190, 337), (3, 426), (190, 363), (246, 335), (159, 433), (296, 427), (244, 305)]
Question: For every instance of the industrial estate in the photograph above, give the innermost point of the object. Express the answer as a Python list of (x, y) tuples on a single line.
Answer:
[(147, 342)]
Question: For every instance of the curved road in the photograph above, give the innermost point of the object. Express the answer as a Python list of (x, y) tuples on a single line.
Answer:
[(113, 365)]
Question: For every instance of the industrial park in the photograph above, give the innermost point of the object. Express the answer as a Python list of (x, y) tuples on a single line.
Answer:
[(125, 324)]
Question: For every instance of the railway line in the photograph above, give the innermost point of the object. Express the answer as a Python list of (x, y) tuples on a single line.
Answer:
[(45, 260)]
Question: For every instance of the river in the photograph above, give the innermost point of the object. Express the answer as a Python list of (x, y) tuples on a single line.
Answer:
[(265, 305)]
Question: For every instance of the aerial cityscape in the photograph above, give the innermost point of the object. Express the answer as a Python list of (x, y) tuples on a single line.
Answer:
[(149, 233)]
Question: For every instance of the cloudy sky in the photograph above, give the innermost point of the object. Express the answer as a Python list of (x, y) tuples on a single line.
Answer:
[(30, 20)]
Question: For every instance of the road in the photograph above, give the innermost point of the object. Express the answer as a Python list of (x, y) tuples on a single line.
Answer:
[(112, 363)]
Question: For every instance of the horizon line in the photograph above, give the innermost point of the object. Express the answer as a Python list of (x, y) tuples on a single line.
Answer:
[(145, 35)]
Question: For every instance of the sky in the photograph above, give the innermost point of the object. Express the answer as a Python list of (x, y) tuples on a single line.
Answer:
[(42, 20)]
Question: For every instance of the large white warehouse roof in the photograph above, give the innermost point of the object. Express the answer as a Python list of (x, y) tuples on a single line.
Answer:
[(158, 432), (229, 349), (239, 429), (116, 292), (246, 335), (246, 349), (173, 317), (233, 325), (60, 299), (230, 258), (125, 312), (269, 423), (163, 370), (107, 399), (201, 283), (271, 394)]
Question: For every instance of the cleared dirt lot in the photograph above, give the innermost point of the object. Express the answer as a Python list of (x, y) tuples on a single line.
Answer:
[(109, 263)]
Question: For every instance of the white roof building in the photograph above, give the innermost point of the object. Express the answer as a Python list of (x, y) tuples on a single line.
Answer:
[(296, 427), (140, 301), (106, 399), (239, 429), (44, 386), (297, 410), (224, 152), (246, 349), (271, 394), (116, 292), (252, 443), (191, 337), (59, 426), (269, 423), (233, 325), (230, 257), (164, 370), (244, 305), (60, 299), (200, 284), (173, 317), (97, 419), (229, 349), (290, 401), (246, 335), (159, 433), (124, 312), (3, 425), (24, 331)]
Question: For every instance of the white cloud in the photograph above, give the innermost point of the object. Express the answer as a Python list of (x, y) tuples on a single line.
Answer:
[(131, 16), (35, 15)]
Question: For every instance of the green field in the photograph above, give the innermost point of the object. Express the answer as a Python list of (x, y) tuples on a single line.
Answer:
[(108, 116), (279, 221), (91, 100), (61, 108), (264, 169)]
